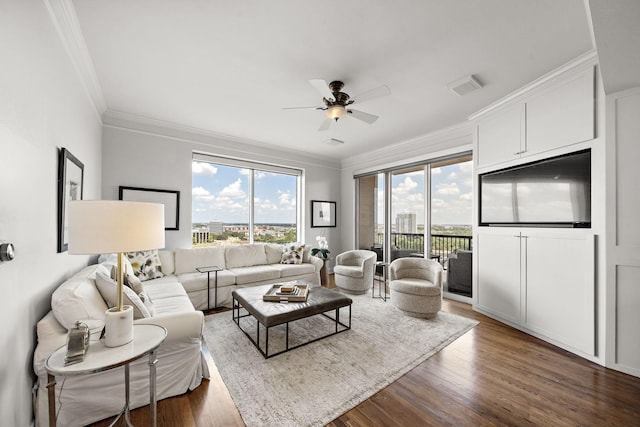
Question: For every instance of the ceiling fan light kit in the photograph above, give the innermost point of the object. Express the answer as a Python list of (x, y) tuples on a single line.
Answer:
[(336, 112)]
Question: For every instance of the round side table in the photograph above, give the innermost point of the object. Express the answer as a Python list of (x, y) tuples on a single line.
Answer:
[(146, 339)]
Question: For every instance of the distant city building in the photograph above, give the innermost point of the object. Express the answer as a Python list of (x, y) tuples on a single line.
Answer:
[(406, 223), (216, 227)]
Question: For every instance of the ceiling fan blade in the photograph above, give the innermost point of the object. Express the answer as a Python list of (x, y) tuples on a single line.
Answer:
[(360, 115), (303, 108), (325, 124), (322, 87), (374, 93)]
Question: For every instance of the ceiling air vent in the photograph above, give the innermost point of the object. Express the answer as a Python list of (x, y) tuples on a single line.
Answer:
[(465, 85), (333, 141)]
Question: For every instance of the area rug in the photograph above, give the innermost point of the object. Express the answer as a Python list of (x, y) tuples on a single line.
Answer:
[(316, 383)]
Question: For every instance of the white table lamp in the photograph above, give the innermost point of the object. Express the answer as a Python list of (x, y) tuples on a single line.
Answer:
[(115, 226)]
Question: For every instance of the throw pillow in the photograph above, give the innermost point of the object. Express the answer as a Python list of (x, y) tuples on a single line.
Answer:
[(292, 254), (129, 280), (146, 264), (109, 291), (148, 303)]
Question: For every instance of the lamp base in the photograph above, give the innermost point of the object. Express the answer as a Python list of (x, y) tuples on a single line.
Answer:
[(118, 326)]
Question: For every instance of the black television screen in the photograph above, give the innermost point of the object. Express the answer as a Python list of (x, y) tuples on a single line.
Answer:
[(554, 192)]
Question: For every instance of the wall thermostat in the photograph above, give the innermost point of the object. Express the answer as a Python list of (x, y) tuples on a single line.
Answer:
[(6, 252)]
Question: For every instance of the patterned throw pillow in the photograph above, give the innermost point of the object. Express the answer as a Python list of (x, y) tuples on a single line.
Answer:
[(292, 254), (146, 264), (109, 291)]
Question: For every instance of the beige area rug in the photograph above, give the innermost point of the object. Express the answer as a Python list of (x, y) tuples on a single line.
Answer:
[(316, 383)]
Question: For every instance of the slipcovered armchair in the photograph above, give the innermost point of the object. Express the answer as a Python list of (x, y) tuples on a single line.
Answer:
[(354, 271), (416, 286)]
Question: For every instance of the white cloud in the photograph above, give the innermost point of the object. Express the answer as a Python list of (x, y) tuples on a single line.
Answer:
[(466, 196), (233, 190), (448, 189), (436, 171), (201, 193), (200, 168), (406, 186), (452, 176)]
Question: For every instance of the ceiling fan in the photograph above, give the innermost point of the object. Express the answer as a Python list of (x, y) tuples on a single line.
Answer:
[(336, 102)]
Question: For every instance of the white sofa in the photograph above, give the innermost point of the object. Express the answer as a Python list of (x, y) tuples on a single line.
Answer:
[(243, 265), (81, 400)]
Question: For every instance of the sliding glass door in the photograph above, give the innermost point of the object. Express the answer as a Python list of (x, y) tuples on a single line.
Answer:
[(420, 210)]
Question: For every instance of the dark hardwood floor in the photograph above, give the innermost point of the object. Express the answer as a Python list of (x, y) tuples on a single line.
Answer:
[(493, 375)]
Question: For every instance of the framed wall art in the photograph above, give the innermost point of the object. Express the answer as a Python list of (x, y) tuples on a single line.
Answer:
[(70, 183), (169, 198), (323, 213)]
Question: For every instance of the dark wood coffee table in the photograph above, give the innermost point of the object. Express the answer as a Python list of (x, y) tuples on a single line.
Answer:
[(320, 301)]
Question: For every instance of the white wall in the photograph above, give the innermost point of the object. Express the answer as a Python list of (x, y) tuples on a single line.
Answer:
[(139, 154), (43, 106)]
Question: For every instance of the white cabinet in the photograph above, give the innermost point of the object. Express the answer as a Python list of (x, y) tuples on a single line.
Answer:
[(499, 274), (501, 136), (561, 114), (541, 281), (623, 237)]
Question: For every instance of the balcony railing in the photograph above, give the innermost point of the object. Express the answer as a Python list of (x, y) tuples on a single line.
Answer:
[(441, 244)]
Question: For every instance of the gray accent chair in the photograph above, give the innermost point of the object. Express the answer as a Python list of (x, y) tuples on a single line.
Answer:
[(353, 271), (459, 272), (416, 286)]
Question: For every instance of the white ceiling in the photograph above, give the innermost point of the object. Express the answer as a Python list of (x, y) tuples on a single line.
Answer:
[(229, 67)]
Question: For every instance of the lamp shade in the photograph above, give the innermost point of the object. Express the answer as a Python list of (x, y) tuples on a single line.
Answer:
[(110, 226)]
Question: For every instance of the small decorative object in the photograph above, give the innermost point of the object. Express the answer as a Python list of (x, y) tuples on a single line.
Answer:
[(293, 291), (323, 214), (323, 248)]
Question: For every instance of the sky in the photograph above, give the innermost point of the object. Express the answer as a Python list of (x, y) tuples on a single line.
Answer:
[(451, 195), (221, 193)]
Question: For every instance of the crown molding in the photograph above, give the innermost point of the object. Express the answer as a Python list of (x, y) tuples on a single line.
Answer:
[(65, 20), (588, 59), (178, 132), (459, 136)]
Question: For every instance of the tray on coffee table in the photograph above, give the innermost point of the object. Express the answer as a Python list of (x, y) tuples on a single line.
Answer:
[(298, 294)]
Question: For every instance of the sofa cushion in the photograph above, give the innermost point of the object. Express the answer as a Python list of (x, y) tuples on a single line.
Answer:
[(167, 289), (256, 273), (288, 270), (292, 254), (198, 281), (109, 291), (349, 270), (245, 255), (168, 261), (171, 306), (78, 298), (110, 261), (274, 253), (187, 260), (146, 264)]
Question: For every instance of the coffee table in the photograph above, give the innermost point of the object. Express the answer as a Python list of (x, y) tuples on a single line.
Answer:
[(320, 301)]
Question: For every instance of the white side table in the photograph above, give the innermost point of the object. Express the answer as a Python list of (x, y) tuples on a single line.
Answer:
[(146, 339)]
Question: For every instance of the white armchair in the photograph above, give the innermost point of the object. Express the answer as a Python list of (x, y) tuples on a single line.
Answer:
[(416, 286), (354, 271)]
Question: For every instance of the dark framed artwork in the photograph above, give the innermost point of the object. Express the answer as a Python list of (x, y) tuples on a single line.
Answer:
[(70, 187), (169, 198), (323, 213)]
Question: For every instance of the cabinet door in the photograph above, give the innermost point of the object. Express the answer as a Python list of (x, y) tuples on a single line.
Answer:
[(560, 289), (562, 115), (499, 275), (499, 136)]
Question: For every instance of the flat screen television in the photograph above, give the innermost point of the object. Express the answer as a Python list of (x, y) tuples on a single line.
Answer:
[(554, 192)]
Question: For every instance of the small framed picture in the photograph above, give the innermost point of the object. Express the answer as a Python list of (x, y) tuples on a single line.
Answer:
[(323, 213), (70, 177), (169, 198)]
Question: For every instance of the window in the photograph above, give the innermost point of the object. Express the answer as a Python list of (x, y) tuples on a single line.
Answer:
[(237, 202)]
